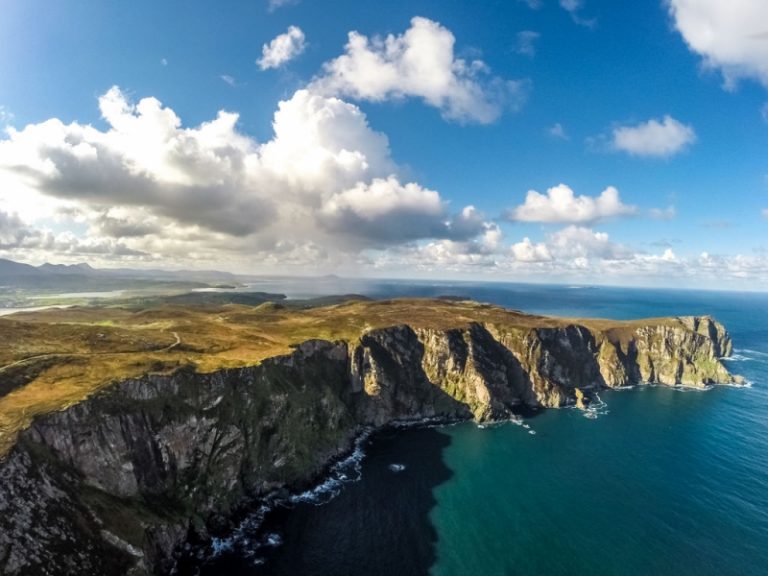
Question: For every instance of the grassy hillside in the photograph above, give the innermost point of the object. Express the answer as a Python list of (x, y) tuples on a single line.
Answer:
[(55, 358)]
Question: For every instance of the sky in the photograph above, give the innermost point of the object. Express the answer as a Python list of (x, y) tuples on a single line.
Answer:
[(560, 141)]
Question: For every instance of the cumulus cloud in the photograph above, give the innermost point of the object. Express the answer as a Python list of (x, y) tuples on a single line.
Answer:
[(527, 251), (579, 242), (194, 175), (560, 204), (419, 63), (324, 183), (526, 42), (387, 210), (18, 237), (282, 49), (654, 138), (14, 232), (729, 36)]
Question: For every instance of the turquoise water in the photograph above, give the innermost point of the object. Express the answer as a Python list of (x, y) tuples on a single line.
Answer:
[(660, 481)]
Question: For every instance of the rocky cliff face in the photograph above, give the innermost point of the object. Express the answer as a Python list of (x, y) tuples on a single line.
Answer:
[(116, 483)]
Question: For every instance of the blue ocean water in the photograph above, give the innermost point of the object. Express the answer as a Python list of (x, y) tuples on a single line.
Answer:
[(657, 481)]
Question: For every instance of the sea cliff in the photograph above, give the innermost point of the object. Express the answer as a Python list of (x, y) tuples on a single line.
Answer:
[(118, 482)]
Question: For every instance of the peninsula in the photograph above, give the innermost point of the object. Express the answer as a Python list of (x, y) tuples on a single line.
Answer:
[(126, 431)]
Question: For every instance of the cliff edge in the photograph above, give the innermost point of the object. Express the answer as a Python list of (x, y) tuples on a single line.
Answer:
[(116, 483)]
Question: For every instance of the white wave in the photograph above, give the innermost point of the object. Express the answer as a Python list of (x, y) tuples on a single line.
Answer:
[(752, 352), (396, 467), (221, 545), (596, 407), (737, 358), (273, 540), (531, 431), (745, 384)]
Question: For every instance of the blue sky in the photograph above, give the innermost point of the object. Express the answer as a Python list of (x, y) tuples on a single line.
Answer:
[(408, 158)]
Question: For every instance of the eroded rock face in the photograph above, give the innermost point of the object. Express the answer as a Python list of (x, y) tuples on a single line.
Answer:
[(114, 484)]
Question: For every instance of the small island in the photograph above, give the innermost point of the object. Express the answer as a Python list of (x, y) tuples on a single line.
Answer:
[(127, 430)]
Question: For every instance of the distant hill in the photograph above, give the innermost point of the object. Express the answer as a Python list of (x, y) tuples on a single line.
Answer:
[(84, 278), (81, 268), (9, 268)]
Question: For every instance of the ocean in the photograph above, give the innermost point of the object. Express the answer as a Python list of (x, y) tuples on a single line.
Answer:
[(653, 480)]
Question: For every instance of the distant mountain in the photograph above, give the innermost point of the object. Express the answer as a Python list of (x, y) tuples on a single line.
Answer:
[(81, 268), (84, 278), (9, 269)]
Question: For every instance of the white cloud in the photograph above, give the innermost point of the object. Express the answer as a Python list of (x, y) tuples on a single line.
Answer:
[(574, 254), (560, 204), (324, 185), (654, 138), (227, 79), (419, 63), (730, 36), (669, 255), (668, 213), (16, 236), (282, 49), (533, 4), (6, 115), (526, 42), (13, 231), (576, 242), (573, 7), (527, 251), (386, 210), (557, 131), (275, 4), (765, 213)]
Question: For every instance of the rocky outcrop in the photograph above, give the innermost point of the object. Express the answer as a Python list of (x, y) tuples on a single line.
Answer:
[(115, 484)]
